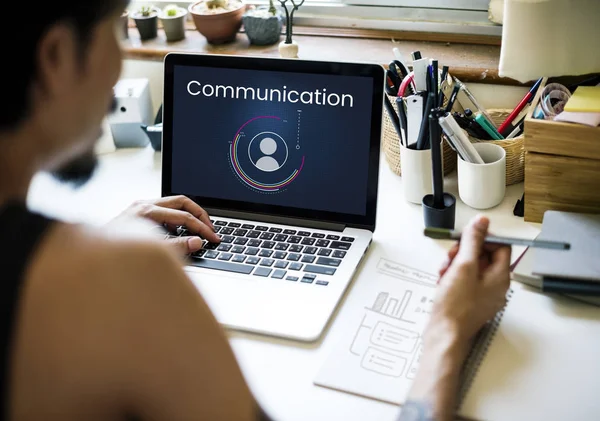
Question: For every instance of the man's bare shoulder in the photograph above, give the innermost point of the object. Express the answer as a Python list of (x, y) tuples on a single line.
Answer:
[(73, 252)]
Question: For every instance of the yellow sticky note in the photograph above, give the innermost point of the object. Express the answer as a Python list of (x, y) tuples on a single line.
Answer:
[(585, 99)]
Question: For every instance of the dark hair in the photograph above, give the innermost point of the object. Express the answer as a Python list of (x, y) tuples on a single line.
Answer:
[(19, 71)]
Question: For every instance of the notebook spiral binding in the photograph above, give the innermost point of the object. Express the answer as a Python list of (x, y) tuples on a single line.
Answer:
[(478, 351)]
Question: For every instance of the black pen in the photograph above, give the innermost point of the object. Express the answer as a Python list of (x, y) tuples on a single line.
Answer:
[(434, 80), (402, 117), (436, 159), (394, 117), (452, 99), (423, 131), (442, 80)]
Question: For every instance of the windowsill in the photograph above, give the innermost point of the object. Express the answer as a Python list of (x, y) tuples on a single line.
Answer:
[(468, 59)]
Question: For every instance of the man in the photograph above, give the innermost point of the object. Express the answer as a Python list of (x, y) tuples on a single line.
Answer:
[(100, 327)]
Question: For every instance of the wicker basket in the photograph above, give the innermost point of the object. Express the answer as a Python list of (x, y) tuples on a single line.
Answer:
[(391, 147), (515, 150)]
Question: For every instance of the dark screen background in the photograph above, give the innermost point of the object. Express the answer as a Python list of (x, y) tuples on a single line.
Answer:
[(334, 141)]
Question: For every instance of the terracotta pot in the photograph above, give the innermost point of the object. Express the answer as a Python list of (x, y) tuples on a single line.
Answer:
[(218, 28)]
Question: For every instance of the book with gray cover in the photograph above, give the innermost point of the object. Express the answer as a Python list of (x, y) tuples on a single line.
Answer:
[(582, 261)]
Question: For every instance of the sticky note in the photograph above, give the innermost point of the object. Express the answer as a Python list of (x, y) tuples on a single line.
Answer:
[(585, 99)]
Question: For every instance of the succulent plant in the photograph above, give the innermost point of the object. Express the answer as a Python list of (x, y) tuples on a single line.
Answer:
[(171, 10), (146, 11)]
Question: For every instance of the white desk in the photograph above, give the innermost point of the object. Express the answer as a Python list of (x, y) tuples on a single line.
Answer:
[(281, 372)]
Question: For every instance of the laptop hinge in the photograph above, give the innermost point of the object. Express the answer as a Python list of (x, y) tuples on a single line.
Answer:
[(282, 220)]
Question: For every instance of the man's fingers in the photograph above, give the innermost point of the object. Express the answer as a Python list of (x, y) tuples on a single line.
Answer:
[(472, 239), (186, 245), (499, 268), (451, 255), (186, 204), (177, 217)]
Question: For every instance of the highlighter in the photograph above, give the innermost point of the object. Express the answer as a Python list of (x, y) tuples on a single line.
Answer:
[(487, 126)]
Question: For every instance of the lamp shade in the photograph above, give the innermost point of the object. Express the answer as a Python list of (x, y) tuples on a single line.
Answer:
[(550, 38)]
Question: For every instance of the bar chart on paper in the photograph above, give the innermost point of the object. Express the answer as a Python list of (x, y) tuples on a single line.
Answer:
[(380, 356)]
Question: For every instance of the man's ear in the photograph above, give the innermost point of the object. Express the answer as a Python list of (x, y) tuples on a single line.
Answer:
[(57, 60)]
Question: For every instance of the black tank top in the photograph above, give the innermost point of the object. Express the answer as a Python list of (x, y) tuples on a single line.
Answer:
[(20, 233)]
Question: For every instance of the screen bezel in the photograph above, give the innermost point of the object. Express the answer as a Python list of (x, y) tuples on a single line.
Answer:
[(373, 71)]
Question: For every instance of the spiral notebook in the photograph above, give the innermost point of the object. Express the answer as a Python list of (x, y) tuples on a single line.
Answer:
[(537, 360)]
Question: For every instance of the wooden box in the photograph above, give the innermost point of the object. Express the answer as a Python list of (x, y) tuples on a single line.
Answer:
[(562, 166)]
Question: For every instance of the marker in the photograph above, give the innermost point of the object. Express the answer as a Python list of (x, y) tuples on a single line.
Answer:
[(442, 80), (487, 126), (446, 234), (526, 100)]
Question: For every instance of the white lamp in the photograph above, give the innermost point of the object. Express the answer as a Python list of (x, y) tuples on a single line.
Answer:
[(550, 38)]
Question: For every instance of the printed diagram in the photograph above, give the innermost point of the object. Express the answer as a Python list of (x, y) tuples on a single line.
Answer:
[(260, 155), (388, 340)]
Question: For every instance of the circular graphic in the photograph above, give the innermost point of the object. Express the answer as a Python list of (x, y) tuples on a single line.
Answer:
[(268, 151), (260, 156)]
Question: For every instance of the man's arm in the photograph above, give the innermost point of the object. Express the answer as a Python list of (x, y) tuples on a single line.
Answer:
[(471, 291)]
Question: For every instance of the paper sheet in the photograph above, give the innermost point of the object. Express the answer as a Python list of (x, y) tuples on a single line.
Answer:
[(379, 356)]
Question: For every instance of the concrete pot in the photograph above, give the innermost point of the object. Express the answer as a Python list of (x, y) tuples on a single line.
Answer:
[(217, 28), (174, 26), (125, 25), (262, 28), (147, 25)]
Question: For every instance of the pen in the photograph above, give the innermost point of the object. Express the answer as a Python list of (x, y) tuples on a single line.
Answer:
[(526, 100), (452, 99), (434, 88), (402, 118), (442, 80), (436, 160), (394, 117), (423, 131), (446, 234), (515, 132)]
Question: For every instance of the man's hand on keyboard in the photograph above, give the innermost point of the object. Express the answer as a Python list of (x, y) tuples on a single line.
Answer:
[(174, 211)]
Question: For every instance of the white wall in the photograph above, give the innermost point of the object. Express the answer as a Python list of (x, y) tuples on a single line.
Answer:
[(490, 96)]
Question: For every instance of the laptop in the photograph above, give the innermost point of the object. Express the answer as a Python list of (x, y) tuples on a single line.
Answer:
[(284, 155)]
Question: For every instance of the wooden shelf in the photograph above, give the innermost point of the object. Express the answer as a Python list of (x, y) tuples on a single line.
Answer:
[(468, 62)]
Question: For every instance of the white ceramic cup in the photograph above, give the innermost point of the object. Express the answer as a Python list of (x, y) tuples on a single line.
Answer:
[(415, 168), (482, 186)]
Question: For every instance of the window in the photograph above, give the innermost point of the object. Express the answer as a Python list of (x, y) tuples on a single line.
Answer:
[(444, 16)]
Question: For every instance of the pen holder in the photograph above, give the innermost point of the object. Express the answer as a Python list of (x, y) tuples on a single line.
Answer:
[(392, 151), (439, 217), (416, 173), (482, 186), (514, 148)]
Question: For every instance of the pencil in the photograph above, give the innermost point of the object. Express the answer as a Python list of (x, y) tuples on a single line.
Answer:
[(445, 234)]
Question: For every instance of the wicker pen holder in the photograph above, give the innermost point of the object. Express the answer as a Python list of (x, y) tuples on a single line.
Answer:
[(391, 147), (515, 149)]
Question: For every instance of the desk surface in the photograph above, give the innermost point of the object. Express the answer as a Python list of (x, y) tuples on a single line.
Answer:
[(281, 372)]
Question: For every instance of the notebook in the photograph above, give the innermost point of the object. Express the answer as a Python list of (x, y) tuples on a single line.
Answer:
[(585, 99), (582, 232), (537, 360)]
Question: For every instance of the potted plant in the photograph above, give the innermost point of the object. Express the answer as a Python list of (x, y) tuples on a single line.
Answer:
[(124, 24), (218, 20), (288, 48), (146, 20), (263, 24), (173, 21)]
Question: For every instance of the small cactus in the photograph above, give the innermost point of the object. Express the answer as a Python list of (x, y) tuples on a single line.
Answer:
[(145, 11), (272, 9)]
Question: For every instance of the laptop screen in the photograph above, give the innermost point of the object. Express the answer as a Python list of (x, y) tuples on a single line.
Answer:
[(274, 139)]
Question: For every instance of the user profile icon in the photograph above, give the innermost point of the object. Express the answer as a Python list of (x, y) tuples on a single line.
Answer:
[(268, 152)]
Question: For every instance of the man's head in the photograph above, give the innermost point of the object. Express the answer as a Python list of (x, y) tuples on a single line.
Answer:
[(58, 83)]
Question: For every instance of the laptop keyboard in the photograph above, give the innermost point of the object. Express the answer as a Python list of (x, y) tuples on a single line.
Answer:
[(293, 255)]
